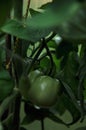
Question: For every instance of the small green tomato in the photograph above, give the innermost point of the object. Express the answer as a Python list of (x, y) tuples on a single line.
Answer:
[(44, 91)]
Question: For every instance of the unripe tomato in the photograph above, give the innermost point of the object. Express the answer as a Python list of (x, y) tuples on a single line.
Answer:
[(44, 91), (34, 75), (26, 81)]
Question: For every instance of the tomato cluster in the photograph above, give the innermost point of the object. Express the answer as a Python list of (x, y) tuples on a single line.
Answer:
[(43, 90)]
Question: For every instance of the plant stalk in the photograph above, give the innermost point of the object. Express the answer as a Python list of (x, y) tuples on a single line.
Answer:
[(16, 114), (42, 124), (33, 61), (8, 57), (50, 56), (18, 14), (18, 9), (38, 53), (27, 9)]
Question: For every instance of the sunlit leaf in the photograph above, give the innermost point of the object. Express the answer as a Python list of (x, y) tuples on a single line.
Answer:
[(33, 12), (54, 13)]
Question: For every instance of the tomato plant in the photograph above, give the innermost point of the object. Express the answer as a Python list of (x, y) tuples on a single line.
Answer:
[(42, 62)]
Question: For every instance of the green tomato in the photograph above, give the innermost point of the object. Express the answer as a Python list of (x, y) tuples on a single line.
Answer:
[(34, 75), (44, 91), (26, 81)]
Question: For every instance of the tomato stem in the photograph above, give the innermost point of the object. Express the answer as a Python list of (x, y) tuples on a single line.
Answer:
[(43, 41), (49, 54), (16, 115), (52, 35), (42, 124), (33, 61), (34, 51), (45, 54), (8, 57), (27, 9)]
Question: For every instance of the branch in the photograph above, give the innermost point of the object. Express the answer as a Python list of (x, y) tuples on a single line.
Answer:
[(49, 54), (27, 9)]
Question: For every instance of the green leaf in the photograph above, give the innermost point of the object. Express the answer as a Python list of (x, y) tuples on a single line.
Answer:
[(52, 44), (64, 48), (71, 108), (56, 119), (39, 26), (33, 12), (59, 107), (22, 128), (25, 45), (28, 120), (82, 76), (8, 122), (84, 93), (1, 126), (4, 74), (45, 64), (27, 32), (81, 128), (69, 71), (2, 56), (6, 102), (55, 13), (82, 67), (71, 95), (56, 62), (75, 29), (6, 84)]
